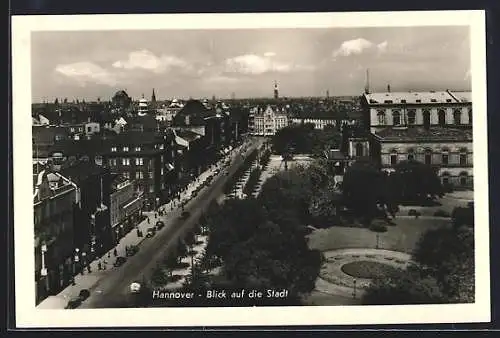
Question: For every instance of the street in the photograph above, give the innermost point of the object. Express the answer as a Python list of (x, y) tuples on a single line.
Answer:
[(112, 290)]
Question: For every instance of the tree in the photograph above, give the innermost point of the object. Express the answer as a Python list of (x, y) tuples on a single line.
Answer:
[(181, 251), (463, 216), (448, 255), (365, 191), (408, 287), (417, 181)]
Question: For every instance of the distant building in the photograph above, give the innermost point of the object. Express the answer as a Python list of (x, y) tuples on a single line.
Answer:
[(143, 108), (319, 123), (54, 200), (267, 121)]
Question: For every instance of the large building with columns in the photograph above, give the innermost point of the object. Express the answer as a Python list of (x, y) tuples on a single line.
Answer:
[(431, 127)]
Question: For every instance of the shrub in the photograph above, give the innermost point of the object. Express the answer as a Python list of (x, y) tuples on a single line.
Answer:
[(412, 212), (378, 227), (441, 213)]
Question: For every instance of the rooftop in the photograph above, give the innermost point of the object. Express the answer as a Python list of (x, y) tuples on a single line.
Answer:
[(422, 135), (418, 97)]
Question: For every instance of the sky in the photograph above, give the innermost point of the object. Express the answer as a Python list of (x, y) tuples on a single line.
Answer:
[(205, 63)]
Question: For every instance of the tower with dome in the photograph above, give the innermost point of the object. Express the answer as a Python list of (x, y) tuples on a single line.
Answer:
[(143, 107)]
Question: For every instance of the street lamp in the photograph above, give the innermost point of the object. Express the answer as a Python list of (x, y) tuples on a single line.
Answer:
[(43, 271), (75, 261)]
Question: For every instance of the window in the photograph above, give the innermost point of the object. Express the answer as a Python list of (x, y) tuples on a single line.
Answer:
[(139, 161), (89, 129), (162, 159), (139, 175), (427, 118), (151, 188), (457, 117), (126, 175), (137, 148), (418, 101), (428, 157), (463, 157), (161, 146), (161, 172), (463, 178), (396, 118), (411, 116), (112, 162), (125, 161), (394, 157), (444, 158), (403, 101), (381, 117), (359, 149), (411, 155), (150, 174), (441, 118), (113, 149), (446, 178)]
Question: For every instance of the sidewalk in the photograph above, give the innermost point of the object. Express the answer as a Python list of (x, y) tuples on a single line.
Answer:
[(89, 280)]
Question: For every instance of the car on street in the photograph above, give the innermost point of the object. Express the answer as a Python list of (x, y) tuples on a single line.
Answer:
[(150, 232), (132, 250), (84, 294), (217, 171), (185, 215), (74, 303), (135, 287), (159, 225), (120, 260)]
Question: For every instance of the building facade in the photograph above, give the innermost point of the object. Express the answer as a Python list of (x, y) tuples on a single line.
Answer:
[(125, 207), (267, 121), (54, 201), (434, 128), (319, 123)]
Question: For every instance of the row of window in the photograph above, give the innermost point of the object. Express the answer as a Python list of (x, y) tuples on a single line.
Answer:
[(445, 158), (126, 161), (398, 118)]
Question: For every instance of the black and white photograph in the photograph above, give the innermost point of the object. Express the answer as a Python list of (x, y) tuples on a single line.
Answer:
[(250, 169)]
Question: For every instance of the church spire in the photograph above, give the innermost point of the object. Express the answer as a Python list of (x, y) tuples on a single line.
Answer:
[(153, 96)]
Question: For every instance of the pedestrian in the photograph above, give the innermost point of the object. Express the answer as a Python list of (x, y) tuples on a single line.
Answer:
[(99, 266), (115, 252), (88, 268), (109, 254)]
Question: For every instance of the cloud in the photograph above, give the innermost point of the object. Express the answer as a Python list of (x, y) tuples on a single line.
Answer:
[(222, 79), (144, 59), (382, 47), (269, 54), (84, 72), (255, 64), (467, 75), (358, 46)]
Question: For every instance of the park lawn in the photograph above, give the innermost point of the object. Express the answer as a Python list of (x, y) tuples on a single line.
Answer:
[(401, 237), (316, 298)]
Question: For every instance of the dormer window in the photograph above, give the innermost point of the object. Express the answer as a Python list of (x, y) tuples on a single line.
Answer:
[(113, 149), (448, 100), (125, 148), (403, 101), (387, 101), (433, 100), (418, 101)]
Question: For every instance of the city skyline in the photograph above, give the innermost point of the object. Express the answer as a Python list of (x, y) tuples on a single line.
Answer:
[(246, 62)]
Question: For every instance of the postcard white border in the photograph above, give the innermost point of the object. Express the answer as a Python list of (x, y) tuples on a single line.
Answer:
[(28, 316)]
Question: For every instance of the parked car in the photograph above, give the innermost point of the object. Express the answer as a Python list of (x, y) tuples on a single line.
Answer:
[(185, 214), (74, 303), (84, 294), (120, 260), (132, 250), (150, 232), (217, 171), (159, 225), (135, 287)]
